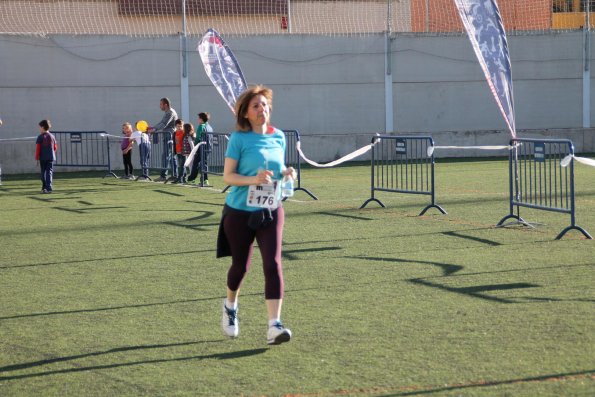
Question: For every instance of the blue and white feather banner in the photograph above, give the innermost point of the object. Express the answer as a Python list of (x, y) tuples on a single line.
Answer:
[(222, 67), (485, 30)]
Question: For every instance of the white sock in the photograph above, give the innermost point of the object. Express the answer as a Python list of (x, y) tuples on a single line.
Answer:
[(274, 321), (232, 306)]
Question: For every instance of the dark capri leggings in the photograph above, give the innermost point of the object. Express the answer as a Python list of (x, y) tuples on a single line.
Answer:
[(269, 239)]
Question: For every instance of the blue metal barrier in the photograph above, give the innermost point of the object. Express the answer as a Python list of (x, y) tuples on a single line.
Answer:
[(401, 164), (214, 161), (538, 181), (161, 147), (293, 159), (83, 149)]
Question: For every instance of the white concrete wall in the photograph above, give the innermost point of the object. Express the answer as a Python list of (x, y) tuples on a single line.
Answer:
[(329, 88)]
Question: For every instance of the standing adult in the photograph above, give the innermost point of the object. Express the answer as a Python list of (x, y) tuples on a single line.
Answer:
[(45, 154), (201, 156), (254, 164), (167, 127)]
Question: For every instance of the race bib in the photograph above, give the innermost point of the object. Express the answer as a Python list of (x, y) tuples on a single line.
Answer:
[(263, 196)]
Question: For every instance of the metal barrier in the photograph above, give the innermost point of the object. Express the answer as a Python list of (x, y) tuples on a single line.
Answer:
[(216, 158), (83, 149), (537, 180), (293, 159), (214, 161), (401, 164), (162, 146)]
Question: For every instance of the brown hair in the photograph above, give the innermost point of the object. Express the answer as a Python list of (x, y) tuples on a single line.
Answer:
[(45, 124), (242, 123), (188, 129), (204, 116)]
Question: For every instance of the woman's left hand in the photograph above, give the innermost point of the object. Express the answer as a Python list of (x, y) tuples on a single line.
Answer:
[(290, 171)]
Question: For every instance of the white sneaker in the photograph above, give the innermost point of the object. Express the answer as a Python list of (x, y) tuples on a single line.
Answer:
[(278, 334), (229, 322)]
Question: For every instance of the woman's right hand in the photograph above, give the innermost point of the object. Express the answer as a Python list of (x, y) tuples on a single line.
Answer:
[(263, 176)]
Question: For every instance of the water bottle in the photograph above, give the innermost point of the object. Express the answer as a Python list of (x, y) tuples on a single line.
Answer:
[(287, 186)]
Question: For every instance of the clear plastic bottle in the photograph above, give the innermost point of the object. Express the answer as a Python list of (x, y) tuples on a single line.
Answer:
[(287, 186)]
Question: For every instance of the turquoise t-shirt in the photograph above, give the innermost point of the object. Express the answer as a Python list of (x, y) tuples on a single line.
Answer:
[(254, 152)]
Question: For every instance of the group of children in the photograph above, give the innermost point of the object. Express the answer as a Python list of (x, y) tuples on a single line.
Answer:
[(184, 140)]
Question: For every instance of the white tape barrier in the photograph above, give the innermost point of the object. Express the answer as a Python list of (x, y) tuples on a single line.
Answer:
[(190, 158), (343, 159), (120, 137), (18, 139), (432, 148), (583, 160)]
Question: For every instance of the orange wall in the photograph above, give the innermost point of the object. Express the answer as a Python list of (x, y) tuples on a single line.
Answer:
[(516, 15)]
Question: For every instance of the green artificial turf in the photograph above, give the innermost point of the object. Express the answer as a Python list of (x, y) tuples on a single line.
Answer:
[(111, 287)]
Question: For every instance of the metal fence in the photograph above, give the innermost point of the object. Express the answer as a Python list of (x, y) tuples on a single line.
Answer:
[(401, 164), (293, 159), (538, 180), (282, 17), (162, 152), (83, 150)]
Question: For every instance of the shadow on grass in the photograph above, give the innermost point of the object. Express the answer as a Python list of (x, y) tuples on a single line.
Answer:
[(47, 199), (447, 268), (109, 258), (153, 304), (328, 213), (215, 356), (16, 367), (289, 254), (169, 193), (477, 291), (103, 309), (205, 203), (195, 226), (467, 237), (199, 227), (88, 210), (487, 383)]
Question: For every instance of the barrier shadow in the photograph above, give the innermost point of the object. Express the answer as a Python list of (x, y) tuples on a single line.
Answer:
[(487, 383), (359, 218), (168, 193), (195, 226), (215, 356), (290, 254), (472, 238), (447, 268), (205, 203), (103, 309), (477, 291), (87, 209), (109, 258), (39, 363)]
